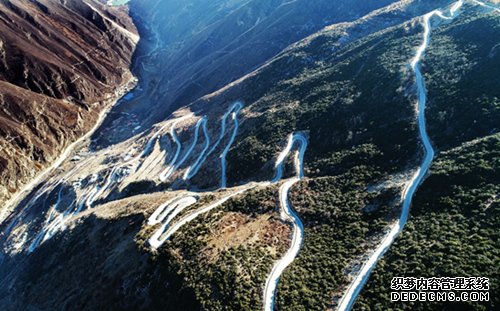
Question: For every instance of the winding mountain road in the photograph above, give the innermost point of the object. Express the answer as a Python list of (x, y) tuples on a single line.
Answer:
[(170, 168), (193, 169), (156, 241), (347, 301), (193, 144), (234, 116), (95, 189), (232, 111), (171, 209), (287, 214)]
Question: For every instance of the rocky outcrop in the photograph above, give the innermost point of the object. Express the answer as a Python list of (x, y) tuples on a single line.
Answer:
[(61, 64)]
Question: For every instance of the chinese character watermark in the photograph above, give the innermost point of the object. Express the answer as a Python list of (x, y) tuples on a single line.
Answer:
[(440, 289)]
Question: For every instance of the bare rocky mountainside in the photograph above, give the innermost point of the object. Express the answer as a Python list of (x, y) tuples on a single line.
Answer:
[(61, 64), (273, 155)]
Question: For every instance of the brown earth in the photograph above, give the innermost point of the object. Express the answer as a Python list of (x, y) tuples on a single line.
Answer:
[(61, 64), (236, 229)]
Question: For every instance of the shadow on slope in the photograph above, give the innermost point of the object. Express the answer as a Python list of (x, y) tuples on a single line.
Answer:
[(94, 266)]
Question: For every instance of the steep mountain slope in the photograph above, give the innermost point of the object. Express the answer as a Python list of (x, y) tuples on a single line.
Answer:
[(453, 230), (195, 47), (194, 212), (61, 64)]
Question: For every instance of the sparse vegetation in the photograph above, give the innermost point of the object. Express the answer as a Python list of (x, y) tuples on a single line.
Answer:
[(227, 278)]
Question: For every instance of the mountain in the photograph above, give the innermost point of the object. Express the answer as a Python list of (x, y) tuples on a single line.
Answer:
[(191, 48), (240, 175), (62, 63), (453, 228)]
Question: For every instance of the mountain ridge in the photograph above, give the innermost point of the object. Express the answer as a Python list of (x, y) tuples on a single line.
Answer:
[(61, 65), (129, 227)]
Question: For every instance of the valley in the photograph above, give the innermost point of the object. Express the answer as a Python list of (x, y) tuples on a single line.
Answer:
[(53, 92), (240, 176)]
